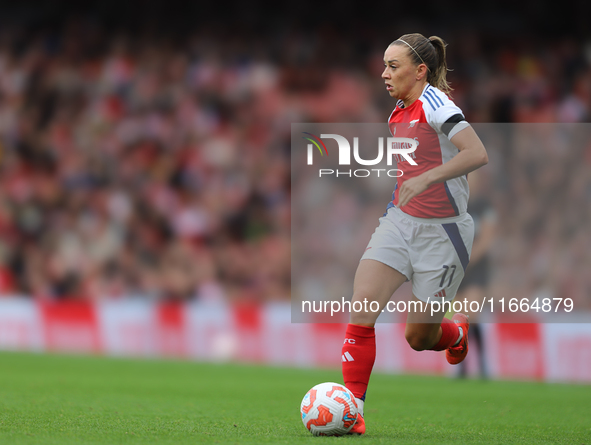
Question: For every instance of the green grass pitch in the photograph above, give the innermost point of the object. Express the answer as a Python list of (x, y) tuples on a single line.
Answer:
[(49, 399)]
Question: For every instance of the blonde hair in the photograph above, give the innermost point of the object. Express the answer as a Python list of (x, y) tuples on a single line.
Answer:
[(431, 52)]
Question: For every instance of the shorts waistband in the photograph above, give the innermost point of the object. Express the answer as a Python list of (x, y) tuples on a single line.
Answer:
[(451, 219)]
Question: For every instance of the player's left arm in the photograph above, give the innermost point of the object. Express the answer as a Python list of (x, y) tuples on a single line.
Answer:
[(472, 155)]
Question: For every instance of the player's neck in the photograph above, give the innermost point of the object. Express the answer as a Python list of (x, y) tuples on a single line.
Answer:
[(414, 94)]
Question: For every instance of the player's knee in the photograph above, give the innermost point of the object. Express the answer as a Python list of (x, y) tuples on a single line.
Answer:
[(418, 341)]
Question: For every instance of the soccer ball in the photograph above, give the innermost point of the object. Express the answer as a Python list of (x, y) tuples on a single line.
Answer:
[(329, 409)]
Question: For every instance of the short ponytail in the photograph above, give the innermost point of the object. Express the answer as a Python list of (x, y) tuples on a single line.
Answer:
[(432, 53), (437, 77)]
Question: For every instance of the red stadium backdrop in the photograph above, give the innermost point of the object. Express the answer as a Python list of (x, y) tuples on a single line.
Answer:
[(264, 334)]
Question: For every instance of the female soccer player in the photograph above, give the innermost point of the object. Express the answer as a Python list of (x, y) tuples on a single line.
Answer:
[(426, 235)]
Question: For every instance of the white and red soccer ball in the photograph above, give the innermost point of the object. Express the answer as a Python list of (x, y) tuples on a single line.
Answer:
[(329, 409)]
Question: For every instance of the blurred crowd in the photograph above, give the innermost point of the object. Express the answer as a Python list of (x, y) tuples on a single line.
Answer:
[(157, 167)]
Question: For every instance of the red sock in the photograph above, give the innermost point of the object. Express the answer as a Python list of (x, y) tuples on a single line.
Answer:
[(449, 335), (358, 357)]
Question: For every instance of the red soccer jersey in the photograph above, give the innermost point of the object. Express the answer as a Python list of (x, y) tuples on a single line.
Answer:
[(432, 120)]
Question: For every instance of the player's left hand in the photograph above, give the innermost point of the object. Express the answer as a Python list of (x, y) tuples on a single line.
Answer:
[(411, 188)]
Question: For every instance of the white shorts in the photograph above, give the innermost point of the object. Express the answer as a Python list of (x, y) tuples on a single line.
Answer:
[(432, 253)]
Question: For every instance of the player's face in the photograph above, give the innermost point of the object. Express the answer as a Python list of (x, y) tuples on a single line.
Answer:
[(400, 73)]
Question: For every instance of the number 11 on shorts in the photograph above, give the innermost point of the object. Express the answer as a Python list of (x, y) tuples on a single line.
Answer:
[(446, 269)]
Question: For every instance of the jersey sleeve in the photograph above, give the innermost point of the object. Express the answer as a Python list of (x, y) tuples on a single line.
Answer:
[(445, 116)]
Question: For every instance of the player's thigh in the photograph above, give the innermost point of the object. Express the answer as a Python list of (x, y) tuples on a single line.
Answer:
[(439, 259), (435, 283), (374, 281)]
